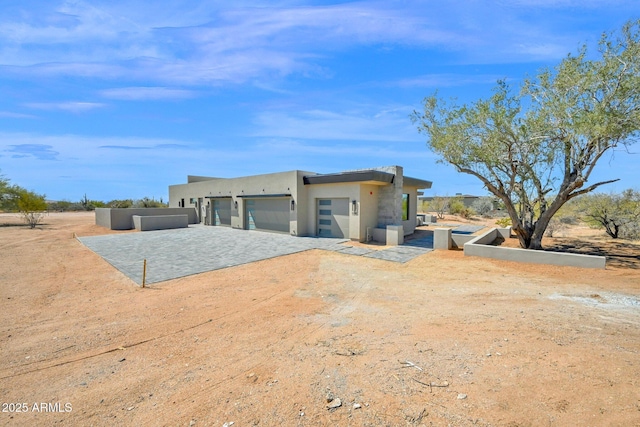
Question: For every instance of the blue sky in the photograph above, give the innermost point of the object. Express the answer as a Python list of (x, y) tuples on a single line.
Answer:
[(119, 99)]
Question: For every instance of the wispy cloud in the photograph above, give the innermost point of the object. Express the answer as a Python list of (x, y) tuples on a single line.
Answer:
[(12, 115), (211, 43), (39, 151), (446, 80), (147, 93), (363, 153), (145, 147), (390, 124), (72, 107)]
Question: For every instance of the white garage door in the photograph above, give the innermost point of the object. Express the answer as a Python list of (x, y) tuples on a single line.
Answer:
[(333, 218), (268, 214)]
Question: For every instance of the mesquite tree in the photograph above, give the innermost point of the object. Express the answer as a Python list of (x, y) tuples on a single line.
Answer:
[(535, 149)]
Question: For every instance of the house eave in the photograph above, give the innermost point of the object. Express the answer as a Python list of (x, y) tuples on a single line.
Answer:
[(370, 177)]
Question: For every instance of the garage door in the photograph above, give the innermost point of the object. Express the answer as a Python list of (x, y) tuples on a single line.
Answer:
[(333, 218), (267, 214), (221, 211)]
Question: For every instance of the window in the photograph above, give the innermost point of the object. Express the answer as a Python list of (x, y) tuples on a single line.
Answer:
[(405, 207)]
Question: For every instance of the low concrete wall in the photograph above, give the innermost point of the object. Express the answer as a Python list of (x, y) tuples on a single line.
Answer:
[(479, 247), (445, 238), (484, 239), (459, 240), (160, 222), (379, 235), (122, 218), (103, 217), (394, 235)]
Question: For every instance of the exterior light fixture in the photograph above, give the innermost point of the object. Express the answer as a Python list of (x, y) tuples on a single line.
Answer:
[(235, 204), (293, 204), (354, 207)]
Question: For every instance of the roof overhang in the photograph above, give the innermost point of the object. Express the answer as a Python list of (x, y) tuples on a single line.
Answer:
[(369, 176), (415, 182), (262, 196)]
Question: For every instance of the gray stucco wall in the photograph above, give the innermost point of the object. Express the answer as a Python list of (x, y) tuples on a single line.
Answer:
[(122, 218), (275, 183), (377, 205), (160, 222)]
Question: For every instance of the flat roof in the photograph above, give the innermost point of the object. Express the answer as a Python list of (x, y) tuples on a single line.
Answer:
[(358, 176), (415, 182), (372, 176)]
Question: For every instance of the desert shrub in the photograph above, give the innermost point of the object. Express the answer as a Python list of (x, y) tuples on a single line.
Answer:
[(439, 205), (64, 206), (90, 205), (555, 225), (125, 203), (147, 202), (32, 207), (569, 220), (483, 205), (631, 231), (504, 222), (456, 206), (467, 213), (618, 214)]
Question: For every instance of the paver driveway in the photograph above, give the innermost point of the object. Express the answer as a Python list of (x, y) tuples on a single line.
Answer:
[(186, 251), (197, 249)]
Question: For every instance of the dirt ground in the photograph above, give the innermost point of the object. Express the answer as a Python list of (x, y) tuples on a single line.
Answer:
[(443, 340)]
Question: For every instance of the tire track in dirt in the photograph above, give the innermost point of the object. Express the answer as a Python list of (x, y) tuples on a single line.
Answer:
[(111, 349)]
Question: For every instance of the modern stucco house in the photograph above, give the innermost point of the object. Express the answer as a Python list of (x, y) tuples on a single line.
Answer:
[(359, 205)]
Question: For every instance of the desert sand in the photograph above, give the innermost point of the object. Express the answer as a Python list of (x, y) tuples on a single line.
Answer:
[(316, 339)]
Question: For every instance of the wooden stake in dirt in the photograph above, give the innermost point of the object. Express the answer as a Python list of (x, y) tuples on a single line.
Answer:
[(144, 272)]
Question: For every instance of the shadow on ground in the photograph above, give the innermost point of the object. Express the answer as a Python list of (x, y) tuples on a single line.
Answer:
[(618, 254)]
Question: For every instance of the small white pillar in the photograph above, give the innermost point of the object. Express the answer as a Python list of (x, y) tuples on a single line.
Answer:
[(442, 238), (395, 235), (505, 232)]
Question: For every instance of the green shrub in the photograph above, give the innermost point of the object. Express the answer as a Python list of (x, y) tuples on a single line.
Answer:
[(504, 222)]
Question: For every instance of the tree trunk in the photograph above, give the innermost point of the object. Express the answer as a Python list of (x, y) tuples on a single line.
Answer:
[(535, 243), (539, 228), (523, 236), (611, 231)]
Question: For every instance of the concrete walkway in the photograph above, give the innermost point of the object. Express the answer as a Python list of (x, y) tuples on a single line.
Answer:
[(182, 252)]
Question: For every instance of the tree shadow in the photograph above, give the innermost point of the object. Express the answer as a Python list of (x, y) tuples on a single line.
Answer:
[(618, 254)]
